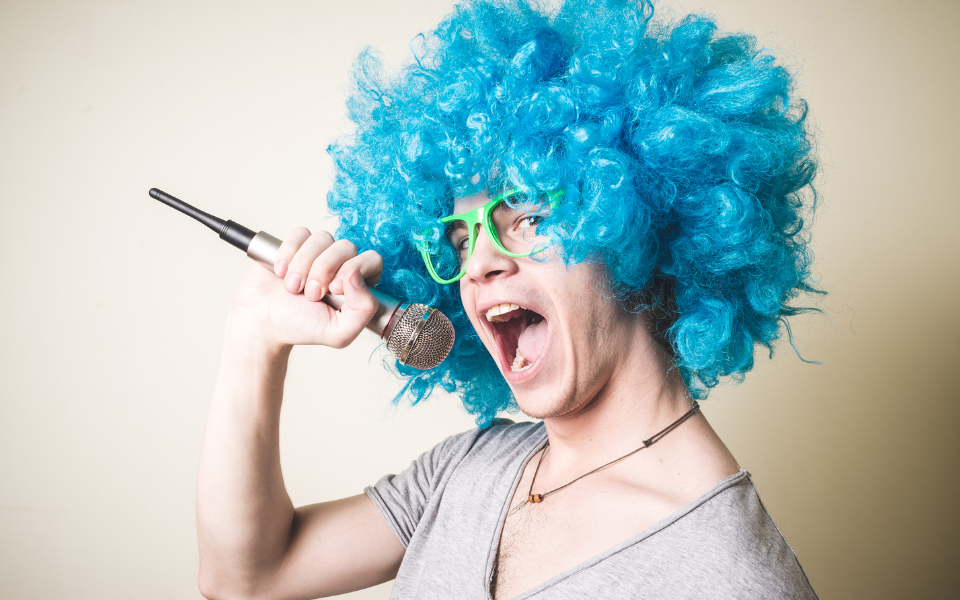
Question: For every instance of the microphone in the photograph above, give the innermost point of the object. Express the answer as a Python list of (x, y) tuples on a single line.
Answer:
[(419, 336)]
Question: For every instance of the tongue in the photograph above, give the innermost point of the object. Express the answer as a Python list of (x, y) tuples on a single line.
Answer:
[(531, 340)]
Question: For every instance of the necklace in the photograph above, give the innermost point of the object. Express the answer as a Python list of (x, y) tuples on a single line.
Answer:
[(538, 498)]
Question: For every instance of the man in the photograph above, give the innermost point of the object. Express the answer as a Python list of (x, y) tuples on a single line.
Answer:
[(610, 212)]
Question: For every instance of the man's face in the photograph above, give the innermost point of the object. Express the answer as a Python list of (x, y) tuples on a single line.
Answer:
[(557, 338)]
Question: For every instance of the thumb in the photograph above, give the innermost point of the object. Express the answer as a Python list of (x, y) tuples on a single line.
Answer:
[(358, 308)]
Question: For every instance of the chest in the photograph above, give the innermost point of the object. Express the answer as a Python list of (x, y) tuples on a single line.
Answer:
[(541, 541)]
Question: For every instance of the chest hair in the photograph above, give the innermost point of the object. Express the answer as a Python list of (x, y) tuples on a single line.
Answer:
[(524, 548)]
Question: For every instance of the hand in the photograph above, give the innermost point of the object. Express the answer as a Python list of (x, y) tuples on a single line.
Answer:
[(274, 310)]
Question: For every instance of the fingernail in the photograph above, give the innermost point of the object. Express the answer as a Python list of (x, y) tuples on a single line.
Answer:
[(292, 283), (355, 280), (280, 268), (312, 290)]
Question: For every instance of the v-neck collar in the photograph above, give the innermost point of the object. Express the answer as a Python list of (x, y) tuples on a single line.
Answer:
[(540, 441)]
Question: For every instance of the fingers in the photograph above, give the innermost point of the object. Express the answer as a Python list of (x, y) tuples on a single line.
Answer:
[(358, 308), (316, 263), (288, 248), (295, 277), (326, 266), (312, 264), (370, 265)]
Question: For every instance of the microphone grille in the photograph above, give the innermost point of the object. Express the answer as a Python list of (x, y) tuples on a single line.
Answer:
[(422, 337)]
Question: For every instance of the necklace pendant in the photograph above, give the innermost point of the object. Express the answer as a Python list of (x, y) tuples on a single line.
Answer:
[(517, 507)]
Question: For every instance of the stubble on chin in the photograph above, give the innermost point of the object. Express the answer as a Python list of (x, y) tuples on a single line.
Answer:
[(565, 402)]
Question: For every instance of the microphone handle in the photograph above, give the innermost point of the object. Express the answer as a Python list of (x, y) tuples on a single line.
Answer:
[(263, 249)]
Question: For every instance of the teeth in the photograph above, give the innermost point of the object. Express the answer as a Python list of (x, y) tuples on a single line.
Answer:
[(519, 363), (494, 313)]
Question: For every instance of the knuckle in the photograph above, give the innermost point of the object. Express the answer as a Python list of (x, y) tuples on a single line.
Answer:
[(310, 252), (374, 257), (371, 306), (353, 264), (371, 266), (324, 237), (293, 242), (299, 232), (322, 271), (299, 263), (347, 246)]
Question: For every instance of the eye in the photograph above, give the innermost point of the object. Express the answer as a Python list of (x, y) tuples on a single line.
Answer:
[(532, 217), (530, 221), (460, 244), (458, 236)]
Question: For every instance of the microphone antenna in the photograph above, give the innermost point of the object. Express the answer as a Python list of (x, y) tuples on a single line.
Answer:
[(419, 336)]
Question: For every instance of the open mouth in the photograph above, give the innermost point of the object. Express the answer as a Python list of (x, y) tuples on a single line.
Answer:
[(520, 334)]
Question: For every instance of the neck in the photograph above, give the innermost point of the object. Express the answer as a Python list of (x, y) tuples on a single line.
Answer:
[(640, 398)]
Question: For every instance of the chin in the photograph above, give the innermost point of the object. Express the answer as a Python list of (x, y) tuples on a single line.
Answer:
[(540, 411), (547, 401)]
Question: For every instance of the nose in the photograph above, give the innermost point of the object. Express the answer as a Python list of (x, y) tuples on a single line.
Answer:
[(487, 262)]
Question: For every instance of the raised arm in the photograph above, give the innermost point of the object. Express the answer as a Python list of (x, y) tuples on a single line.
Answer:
[(253, 542)]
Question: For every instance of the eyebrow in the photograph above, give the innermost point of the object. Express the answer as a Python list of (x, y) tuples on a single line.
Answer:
[(528, 207), (454, 227)]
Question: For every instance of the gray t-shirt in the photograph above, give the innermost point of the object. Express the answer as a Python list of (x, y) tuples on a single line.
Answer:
[(449, 506)]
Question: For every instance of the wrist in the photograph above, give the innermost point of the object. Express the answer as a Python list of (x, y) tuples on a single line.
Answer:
[(253, 367), (246, 333)]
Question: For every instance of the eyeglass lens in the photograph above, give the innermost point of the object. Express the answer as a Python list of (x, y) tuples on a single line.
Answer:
[(514, 229)]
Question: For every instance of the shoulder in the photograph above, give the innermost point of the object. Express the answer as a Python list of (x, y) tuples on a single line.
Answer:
[(502, 439), (738, 546)]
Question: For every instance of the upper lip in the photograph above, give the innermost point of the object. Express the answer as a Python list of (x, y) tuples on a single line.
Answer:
[(483, 307)]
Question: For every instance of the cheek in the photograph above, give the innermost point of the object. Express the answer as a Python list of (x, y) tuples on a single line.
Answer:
[(598, 326), (468, 299)]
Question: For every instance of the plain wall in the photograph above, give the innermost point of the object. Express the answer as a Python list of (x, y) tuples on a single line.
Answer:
[(113, 305)]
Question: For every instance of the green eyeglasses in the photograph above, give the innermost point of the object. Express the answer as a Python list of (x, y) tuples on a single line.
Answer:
[(510, 220)]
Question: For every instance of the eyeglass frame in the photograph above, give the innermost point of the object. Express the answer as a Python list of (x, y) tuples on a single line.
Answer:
[(482, 216)]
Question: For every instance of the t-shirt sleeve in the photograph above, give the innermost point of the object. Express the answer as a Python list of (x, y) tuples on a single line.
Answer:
[(402, 498)]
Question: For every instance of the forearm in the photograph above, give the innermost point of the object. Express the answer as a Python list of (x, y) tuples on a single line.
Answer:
[(244, 514), (245, 519)]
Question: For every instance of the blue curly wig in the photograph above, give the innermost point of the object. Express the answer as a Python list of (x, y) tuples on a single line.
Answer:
[(685, 157)]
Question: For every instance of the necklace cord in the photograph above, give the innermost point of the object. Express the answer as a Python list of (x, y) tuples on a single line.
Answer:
[(536, 498)]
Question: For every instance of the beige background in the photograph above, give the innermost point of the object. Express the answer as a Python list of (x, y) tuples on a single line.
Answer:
[(113, 305)]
